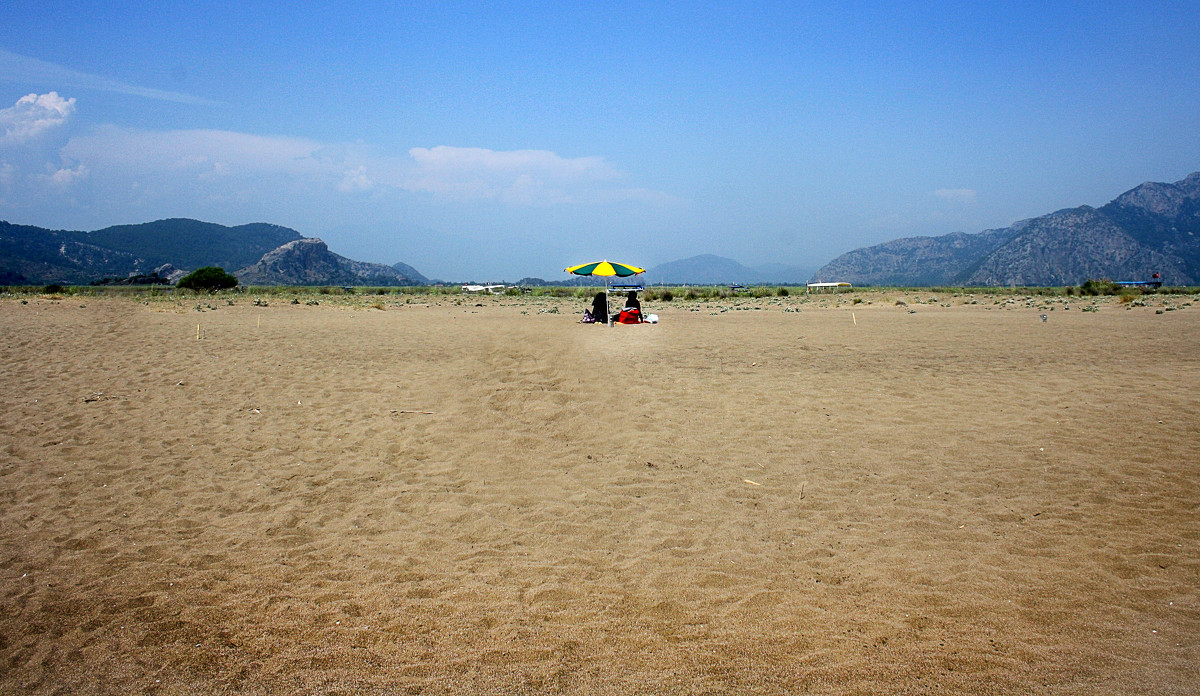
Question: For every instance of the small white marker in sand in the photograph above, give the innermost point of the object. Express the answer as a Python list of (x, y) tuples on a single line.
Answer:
[(752, 483)]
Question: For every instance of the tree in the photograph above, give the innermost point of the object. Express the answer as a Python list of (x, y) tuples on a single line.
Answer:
[(208, 278)]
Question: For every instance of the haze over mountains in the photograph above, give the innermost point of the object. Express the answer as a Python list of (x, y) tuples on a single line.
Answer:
[(264, 254), (707, 269), (1154, 227)]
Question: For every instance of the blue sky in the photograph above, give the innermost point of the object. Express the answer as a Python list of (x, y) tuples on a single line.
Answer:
[(496, 141)]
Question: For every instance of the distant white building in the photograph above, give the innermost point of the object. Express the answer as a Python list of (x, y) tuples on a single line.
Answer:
[(818, 287), (493, 289)]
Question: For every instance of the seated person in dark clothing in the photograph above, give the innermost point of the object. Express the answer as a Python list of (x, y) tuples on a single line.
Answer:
[(631, 301), (632, 314), (600, 308)]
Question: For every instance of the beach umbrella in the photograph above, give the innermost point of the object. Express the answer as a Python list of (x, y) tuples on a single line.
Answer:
[(607, 269)]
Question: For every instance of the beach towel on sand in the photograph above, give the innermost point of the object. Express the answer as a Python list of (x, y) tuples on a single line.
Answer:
[(629, 316)]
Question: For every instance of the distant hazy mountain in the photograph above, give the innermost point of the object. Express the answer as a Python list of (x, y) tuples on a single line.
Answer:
[(310, 262), (36, 256), (410, 273), (705, 269), (708, 269), (1152, 228)]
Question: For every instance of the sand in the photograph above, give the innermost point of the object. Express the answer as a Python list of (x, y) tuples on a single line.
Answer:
[(442, 498)]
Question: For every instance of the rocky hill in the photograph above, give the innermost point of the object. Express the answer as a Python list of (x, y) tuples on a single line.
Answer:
[(915, 260), (310, 262), (33, 255), (186, 243), (1152, 228), (37, 256)]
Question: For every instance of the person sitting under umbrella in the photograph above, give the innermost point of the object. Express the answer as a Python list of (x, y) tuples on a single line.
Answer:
[(600, 308), (632, 314)]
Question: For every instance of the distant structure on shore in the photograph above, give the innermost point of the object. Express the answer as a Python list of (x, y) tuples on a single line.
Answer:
[(1154, 282), (826, 287), (497, 289)]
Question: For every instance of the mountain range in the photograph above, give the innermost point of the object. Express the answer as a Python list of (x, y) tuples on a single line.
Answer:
[(1154, 227), (259, 253)]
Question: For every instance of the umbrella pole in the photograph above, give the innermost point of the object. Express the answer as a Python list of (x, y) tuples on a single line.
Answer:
[(607, 309)]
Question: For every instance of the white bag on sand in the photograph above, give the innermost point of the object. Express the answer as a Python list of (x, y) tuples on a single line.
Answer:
[(651, 318)]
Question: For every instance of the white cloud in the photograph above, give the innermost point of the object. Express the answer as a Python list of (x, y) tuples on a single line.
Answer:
[(959, 195), (18, 68), (356, 180), (199, 153), (33, 115), (477, 159), (68, 175), (195, 163), (519, 177), (109, 175)]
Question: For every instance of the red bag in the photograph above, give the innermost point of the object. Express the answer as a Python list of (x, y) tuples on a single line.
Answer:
[(629, 316)]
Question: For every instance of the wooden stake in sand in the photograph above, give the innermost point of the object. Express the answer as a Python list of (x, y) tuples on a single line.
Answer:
[(854, 318), (197, 332)]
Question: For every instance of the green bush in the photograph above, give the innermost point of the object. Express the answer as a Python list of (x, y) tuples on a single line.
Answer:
[(1099, 287), (210, 278)]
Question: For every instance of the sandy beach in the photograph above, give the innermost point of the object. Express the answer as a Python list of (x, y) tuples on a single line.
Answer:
[(481, 496)]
